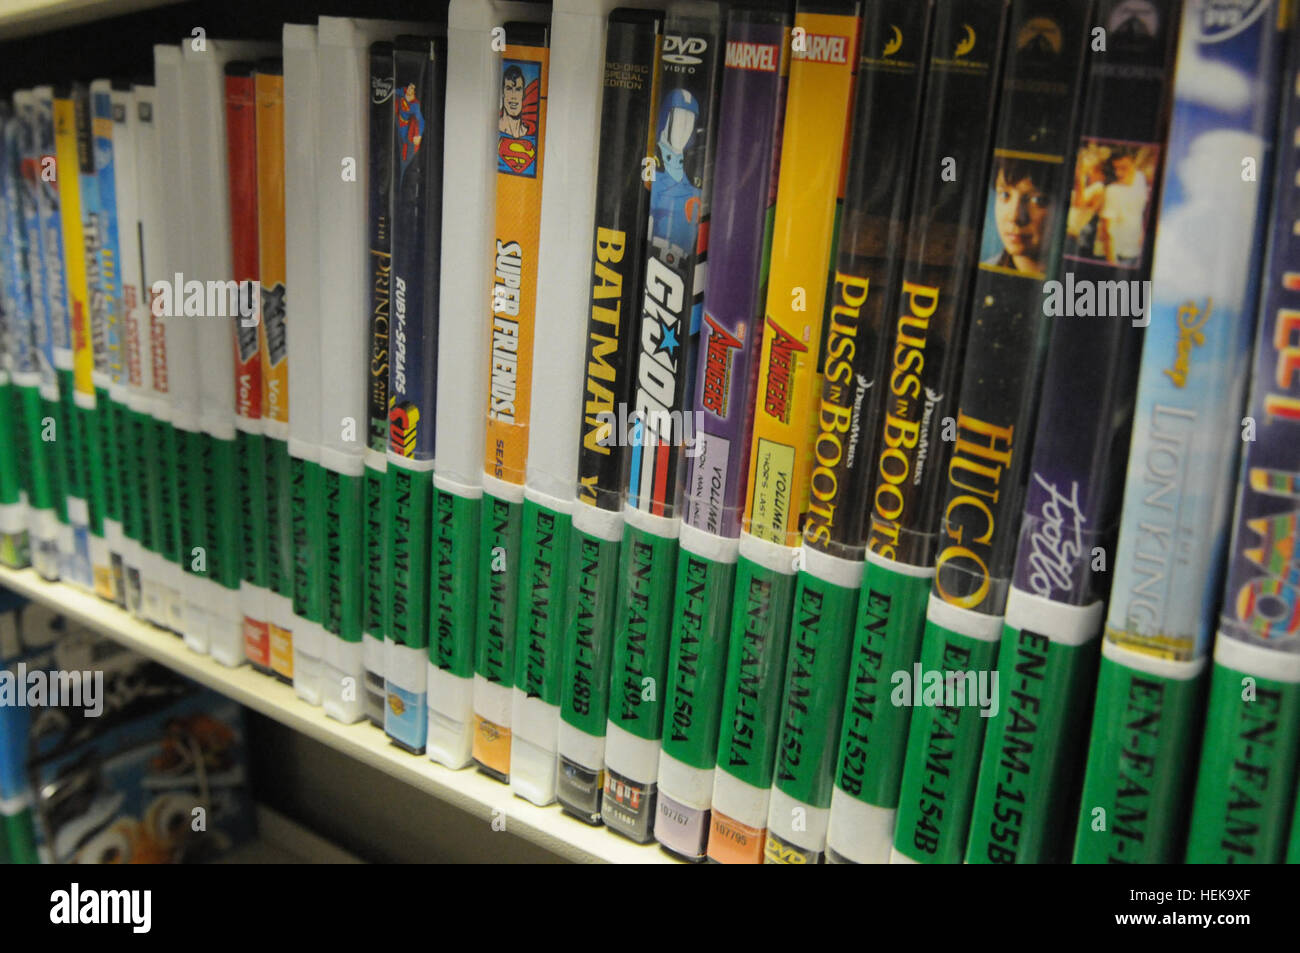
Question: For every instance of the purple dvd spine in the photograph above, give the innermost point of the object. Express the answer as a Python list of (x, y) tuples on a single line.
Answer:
[(751, 115)]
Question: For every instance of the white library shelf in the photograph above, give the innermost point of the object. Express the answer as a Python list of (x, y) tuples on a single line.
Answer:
[(466, 789)]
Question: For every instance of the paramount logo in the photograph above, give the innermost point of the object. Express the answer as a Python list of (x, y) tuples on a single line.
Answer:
[(1098, 299), (180, 298)]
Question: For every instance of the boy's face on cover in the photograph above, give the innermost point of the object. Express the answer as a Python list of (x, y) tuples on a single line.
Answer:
[(1021, 212)]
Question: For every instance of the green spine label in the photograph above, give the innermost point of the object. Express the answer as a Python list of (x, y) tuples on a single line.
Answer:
[(222, 530), (304, 487), (376, 584), (1140, 758), (454, 609), (539, 633), (53, 449), (250, 456), (697, 659), (187, 485), (18, 838), (406, 550), (68, 436), (133, 494), (595, 566), (1293, 849), (341, 609), (1245, 784), (92, 455), (887, 638), (106, 421), (142, 446), (127, 488), (643, 626), (821, 632), (10, 477), (1032, 754), (18, 447), (751, 702), (165, 465), (943, 745), (279, 518), (498, 593), (205, 500), (38, 489)]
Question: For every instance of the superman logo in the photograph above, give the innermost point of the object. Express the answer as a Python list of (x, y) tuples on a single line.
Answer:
[(517, 154)]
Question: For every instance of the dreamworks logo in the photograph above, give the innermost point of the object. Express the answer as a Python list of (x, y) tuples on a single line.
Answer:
[(180, 298), (643, 429), (20, 688)]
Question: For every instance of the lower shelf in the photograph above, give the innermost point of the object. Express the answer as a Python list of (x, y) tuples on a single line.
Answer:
[(281, 841), (467, 789)]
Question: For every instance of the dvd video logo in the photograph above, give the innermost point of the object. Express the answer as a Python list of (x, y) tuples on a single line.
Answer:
[(685, 50), (1221, 19), (821, 48)]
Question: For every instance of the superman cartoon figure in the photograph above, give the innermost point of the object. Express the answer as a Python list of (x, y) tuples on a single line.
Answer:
[(410, 126), (518, 119)]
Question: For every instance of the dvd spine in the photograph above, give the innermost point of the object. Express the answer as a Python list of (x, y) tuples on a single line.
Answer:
[(302, 318), (1247, 777), (419, 68), (103, 271), (674, 283), (250, 454), (377, 594), (1054, 609), (814, 141), (136, 374), (751, 112), (1186, 439), (521, 149), (1002, 374), (617, 254), (861, 302)]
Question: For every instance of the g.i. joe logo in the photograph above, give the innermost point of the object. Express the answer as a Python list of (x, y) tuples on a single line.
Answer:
[(519, 117)]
